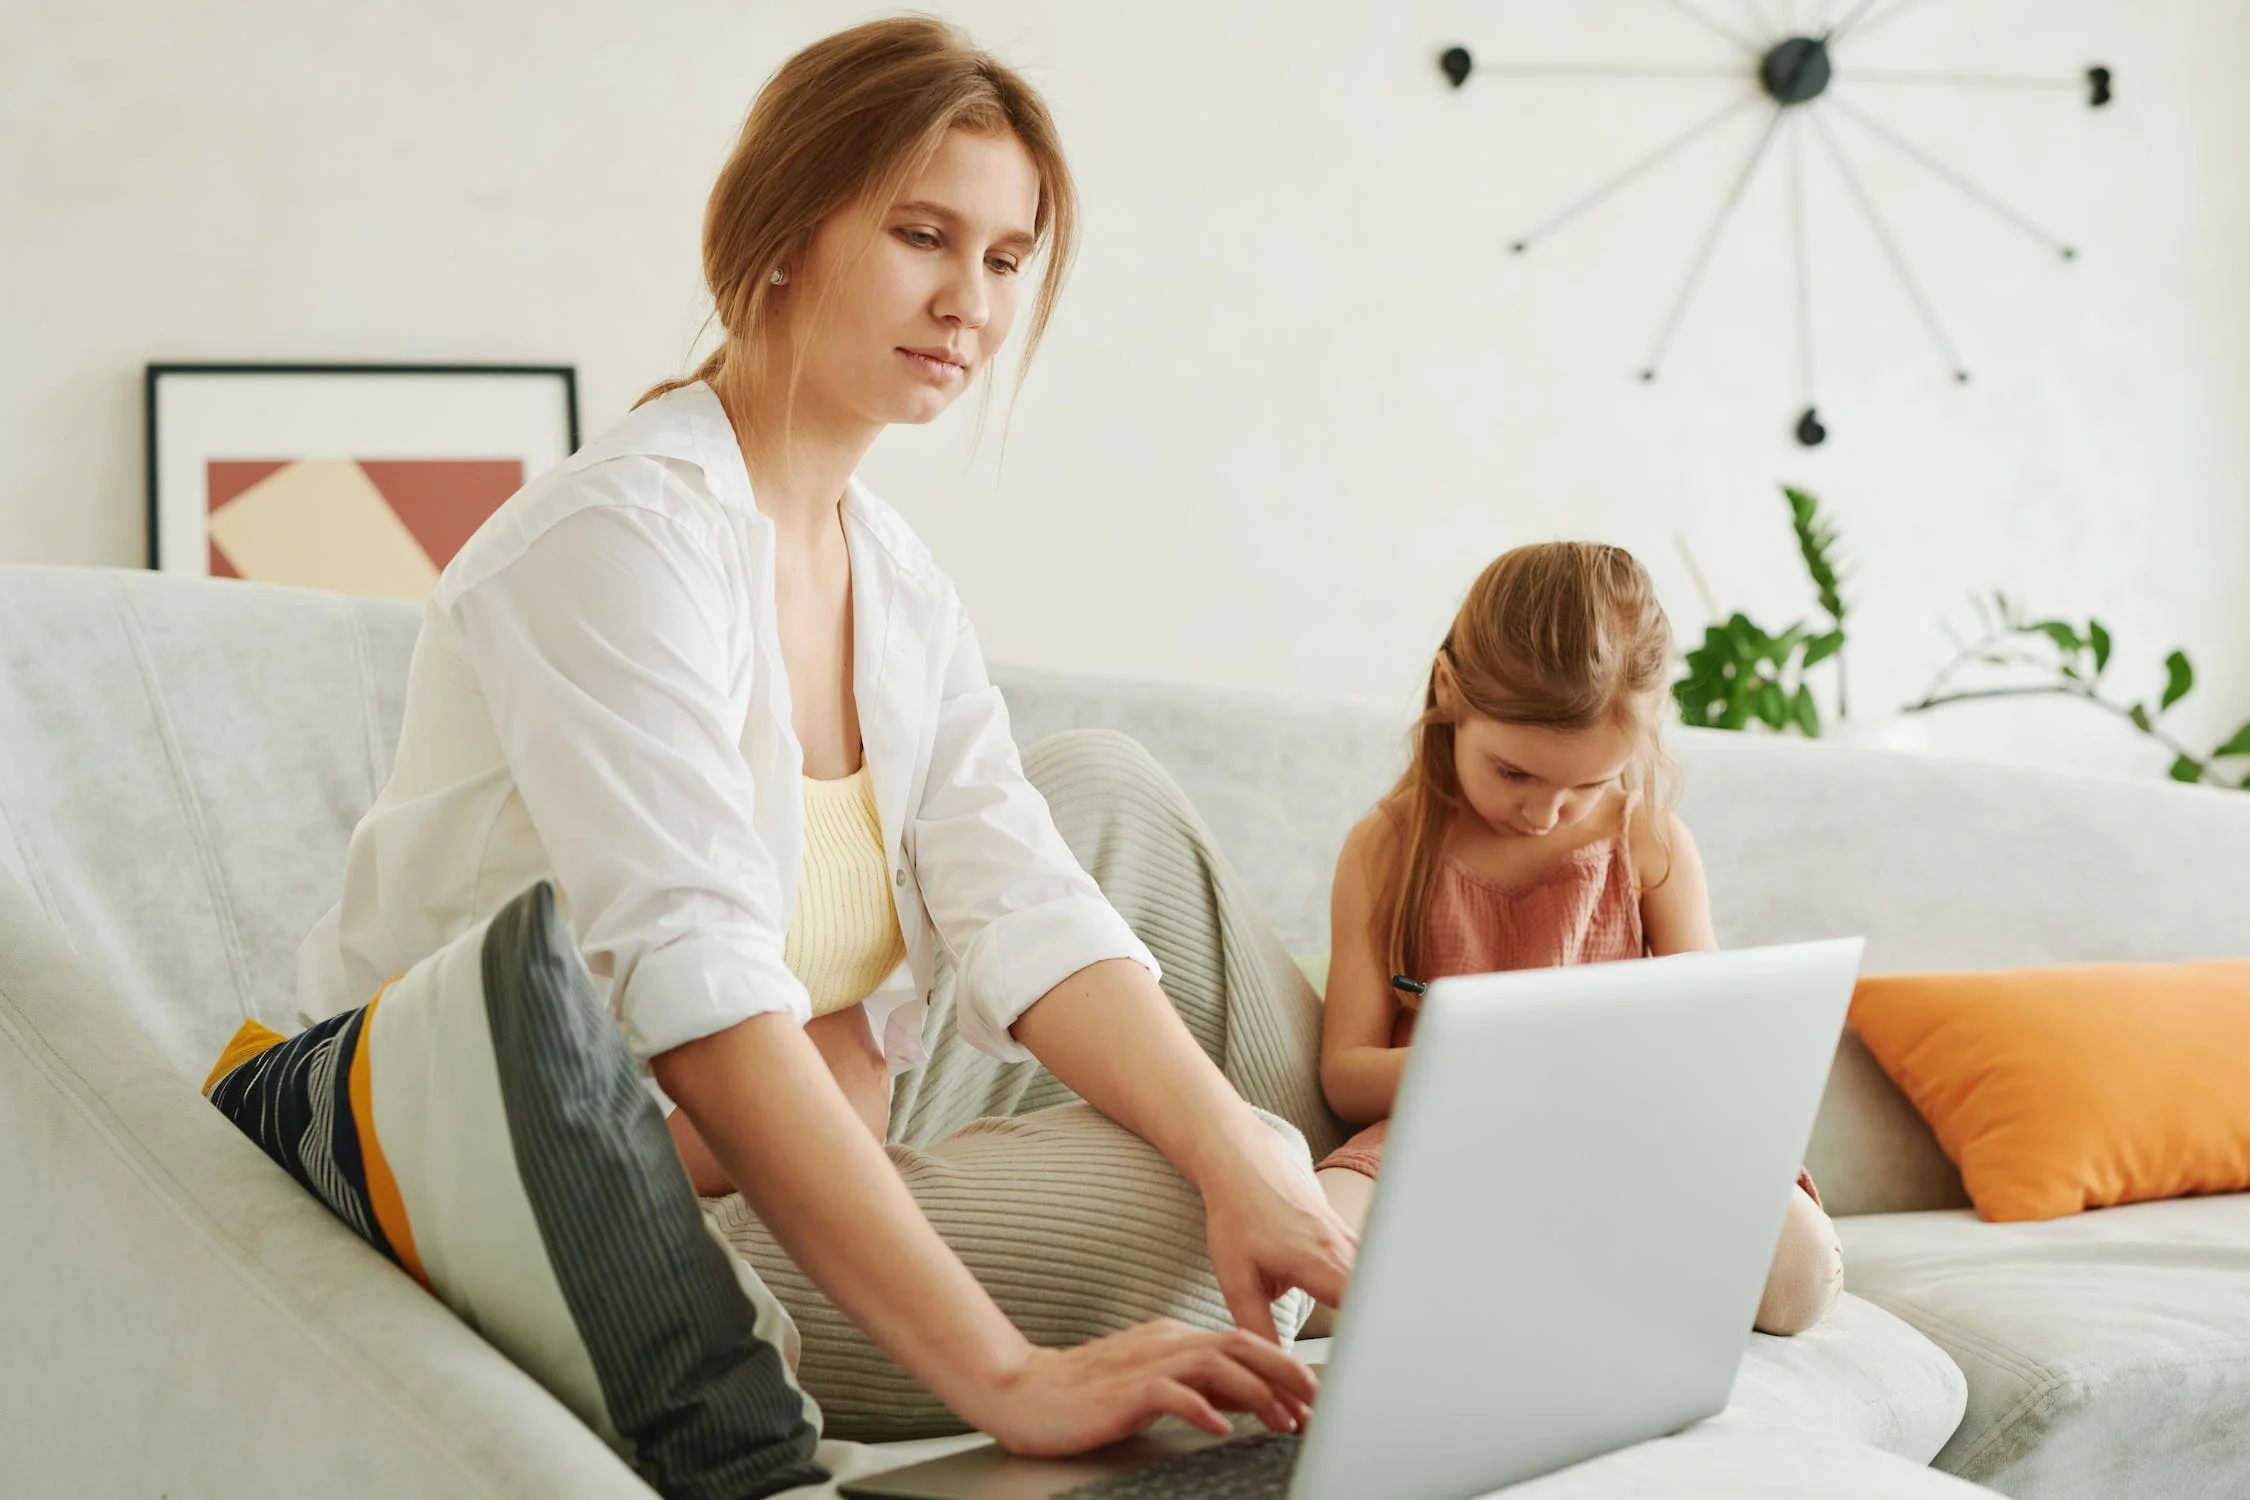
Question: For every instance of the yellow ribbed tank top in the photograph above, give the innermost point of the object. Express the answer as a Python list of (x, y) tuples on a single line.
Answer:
[(843, 938)]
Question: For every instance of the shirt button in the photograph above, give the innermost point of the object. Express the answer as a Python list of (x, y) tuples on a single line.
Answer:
[(900, 880)]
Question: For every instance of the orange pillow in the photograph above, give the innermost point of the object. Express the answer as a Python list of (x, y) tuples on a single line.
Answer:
[(2059, 1090)]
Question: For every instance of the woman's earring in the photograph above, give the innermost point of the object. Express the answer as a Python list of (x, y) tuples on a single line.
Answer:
[(779, 276)]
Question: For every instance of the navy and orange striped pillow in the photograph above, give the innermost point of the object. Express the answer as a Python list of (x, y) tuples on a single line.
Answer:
[(482, 1124)]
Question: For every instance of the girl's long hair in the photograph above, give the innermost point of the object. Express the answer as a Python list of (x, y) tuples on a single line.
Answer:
[(1562, 635)]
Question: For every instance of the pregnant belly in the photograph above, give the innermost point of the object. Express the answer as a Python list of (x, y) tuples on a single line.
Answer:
[(861, 1070)]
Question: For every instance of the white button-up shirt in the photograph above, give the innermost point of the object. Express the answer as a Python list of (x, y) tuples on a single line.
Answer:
[(598, 698)]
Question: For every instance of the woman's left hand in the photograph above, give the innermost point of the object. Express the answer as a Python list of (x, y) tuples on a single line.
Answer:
[(1270, 1229)]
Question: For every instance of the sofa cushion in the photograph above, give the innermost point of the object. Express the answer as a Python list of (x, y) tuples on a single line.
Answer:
[(2064, 1089), (2108, 1354), (1859, 1373), (482, 1123)]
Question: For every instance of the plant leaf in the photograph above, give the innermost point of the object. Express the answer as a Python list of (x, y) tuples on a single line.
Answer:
[(2239, 745), (2141, 720), (2187, 768), (1806, 712), (1821, 647), (2098, 634), (1816, 542), (2180, 678), (2063, 634)]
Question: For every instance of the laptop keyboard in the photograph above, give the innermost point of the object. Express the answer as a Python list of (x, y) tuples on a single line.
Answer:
[(1248, 1468)]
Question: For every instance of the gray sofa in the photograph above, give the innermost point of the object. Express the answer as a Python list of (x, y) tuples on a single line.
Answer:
[(180, 763)]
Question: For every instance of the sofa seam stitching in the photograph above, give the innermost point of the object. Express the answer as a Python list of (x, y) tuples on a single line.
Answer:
[(191, 810), (2016, 1364), (2046, 1382), (30, 866), (165, 1185), (363, 660)]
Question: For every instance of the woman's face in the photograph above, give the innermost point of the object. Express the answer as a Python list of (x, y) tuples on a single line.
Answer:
[(913, 301)]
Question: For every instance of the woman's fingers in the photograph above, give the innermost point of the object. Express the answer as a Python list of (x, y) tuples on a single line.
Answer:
[(1326, 1263), (1242, 1284), (1233, 1386), (1120, 1384), (1287, 1376), (1242, 1372), (1168, 1397)]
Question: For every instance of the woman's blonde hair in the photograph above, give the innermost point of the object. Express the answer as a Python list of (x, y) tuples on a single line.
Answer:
[(1563, 635), (854, 119)]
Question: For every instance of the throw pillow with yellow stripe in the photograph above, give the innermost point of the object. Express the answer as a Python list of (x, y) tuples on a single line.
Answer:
[(482, 1123)]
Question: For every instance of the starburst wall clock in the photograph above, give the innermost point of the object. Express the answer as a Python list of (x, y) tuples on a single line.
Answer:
[(1791, 69)]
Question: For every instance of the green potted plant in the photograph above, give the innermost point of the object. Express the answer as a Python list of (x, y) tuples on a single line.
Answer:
[(1743, 675)]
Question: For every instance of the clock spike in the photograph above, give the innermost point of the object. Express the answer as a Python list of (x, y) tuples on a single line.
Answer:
[(1931, 163), (1698, 15), (1890, 249), (1612, 70), (1653, 159), (1851, 18), (1884, 18), (1968, 80), (1803, 247), (1711, 239)]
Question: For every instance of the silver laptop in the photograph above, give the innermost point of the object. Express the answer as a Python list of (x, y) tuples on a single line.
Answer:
[(1586, 1177)]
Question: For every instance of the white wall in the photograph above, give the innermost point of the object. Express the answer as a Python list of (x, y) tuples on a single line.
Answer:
[(1297, 393)]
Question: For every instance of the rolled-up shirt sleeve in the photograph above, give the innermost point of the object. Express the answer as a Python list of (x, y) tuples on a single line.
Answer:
[(603, 651), (1012, 905)]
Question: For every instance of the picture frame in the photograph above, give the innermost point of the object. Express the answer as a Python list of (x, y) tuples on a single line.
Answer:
[(358, 478)]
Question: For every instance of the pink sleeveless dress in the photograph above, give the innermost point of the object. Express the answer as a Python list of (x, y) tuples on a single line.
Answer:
[(1588, 911)]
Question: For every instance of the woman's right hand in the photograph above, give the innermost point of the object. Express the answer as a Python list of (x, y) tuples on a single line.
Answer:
[(765, 1104), (1058, 1402)]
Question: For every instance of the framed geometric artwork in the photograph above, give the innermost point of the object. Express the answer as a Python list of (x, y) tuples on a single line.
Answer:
[(363, 479)]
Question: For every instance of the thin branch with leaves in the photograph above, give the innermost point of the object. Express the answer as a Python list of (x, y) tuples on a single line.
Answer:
[(2073, 662)]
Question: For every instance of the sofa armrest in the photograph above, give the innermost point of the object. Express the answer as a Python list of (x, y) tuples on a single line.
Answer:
[(178, 1317)]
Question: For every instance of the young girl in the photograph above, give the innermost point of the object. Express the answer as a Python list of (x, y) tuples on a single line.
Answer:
[(1528, 831)]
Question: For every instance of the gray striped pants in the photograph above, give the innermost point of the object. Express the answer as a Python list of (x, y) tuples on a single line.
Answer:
[(1075, 1226)]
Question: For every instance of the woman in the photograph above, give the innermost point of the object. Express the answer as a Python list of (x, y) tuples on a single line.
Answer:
[(719, 694)]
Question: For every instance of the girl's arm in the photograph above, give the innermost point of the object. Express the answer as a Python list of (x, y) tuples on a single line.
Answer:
[(1675, 898), (1359, 1068)]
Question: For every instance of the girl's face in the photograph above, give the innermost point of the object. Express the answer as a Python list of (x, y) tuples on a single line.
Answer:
[(913, 301), (1527, 782)]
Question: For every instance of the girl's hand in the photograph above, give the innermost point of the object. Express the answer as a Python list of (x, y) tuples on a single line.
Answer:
[(1058, 1402), (1270, 1228)]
